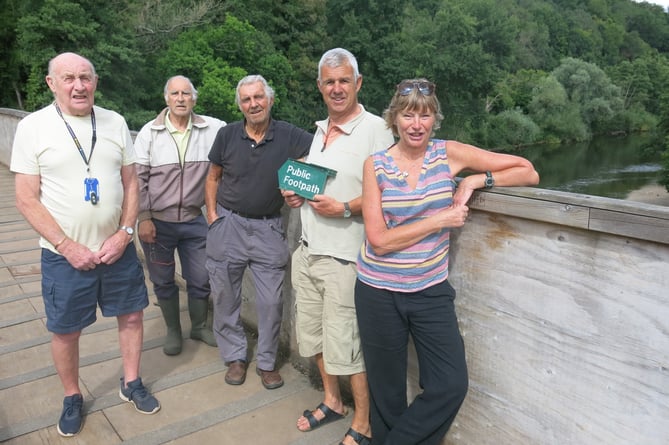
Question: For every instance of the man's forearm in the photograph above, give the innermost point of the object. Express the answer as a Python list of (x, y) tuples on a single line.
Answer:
[(130, 206)]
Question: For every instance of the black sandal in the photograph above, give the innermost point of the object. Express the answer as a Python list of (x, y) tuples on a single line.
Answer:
[(330, 415), (359, 438)]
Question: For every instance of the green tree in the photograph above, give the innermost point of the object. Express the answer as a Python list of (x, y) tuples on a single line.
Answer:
[(90, 28), (55, 27), (663, 138), (633, 78), (515, 90), (368, 29), (533, 49), (159, 21), (585, 41), (217, 57), (558, 117), (497, 27), (12, 73), (651, 22), (486, 56), (613, 39), (299, 32), (590, 89), (511, 128), (444, 48)]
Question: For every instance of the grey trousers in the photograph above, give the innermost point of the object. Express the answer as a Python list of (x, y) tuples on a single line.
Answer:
[(235, 243)]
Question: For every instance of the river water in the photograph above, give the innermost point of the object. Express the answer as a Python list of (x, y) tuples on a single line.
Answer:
[(606, 166)]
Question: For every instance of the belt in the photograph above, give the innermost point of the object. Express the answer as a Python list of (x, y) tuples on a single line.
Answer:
[(249, 216)]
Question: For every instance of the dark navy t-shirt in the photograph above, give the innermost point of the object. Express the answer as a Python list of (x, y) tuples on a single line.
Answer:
[(250, 182)]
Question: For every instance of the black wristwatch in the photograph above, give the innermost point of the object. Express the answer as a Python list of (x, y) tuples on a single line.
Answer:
[(347, 210), (489, 180)]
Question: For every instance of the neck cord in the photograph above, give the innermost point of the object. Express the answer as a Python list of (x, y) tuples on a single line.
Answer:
[(76, 140)]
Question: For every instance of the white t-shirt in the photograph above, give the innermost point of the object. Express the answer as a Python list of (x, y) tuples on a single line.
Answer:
[(363, 135), (43, 146)]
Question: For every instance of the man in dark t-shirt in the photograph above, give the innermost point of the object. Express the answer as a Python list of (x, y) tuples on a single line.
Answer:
[(246, 228)]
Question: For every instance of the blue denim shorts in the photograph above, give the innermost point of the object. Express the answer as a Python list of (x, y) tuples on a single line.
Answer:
[(71, 296)]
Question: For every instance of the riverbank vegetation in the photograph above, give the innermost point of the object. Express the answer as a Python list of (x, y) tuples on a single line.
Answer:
[(508, 72)]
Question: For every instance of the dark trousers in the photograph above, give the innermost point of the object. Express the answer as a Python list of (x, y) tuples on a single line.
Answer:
[(386, 320), (189, 239)]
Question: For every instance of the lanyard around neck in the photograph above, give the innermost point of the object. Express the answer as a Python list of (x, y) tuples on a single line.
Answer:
[(76, 140)]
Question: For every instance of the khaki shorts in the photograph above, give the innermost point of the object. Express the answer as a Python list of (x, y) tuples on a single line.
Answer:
[(325, 314)]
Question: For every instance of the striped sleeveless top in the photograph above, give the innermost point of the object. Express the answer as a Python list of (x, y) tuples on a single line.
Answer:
[(425, 263)]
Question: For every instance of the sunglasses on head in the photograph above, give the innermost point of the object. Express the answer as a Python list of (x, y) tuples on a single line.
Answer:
[(425, 88)]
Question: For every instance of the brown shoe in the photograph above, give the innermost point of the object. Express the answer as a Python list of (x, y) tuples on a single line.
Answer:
[(236, 374), (270, 379)]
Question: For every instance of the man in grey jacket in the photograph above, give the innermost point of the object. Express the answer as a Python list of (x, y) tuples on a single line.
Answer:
[(172, 162)]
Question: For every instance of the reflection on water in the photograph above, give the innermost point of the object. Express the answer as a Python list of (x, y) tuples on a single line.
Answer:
[(605, 166)]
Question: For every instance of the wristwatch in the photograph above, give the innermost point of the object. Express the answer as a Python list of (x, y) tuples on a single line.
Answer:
[(489, 180), (347, 210), (129, 230)]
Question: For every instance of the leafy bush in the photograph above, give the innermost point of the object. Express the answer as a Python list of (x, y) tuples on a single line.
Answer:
[(512, 128)]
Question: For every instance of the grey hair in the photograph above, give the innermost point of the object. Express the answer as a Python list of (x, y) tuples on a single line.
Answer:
[(192, 87), (337, 57), (253, 78)]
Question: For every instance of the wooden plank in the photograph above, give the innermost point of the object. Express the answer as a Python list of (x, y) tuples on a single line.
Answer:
[(597, 202), (536, 209), (626, 224), (626, 218)]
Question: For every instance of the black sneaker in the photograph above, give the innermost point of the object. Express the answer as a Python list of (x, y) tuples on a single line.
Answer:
[(71, 420), (139, 396)]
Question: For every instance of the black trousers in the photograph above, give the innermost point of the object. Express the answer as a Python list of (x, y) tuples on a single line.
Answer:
[(386, 321)]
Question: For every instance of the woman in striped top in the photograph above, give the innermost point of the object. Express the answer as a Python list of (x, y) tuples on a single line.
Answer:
[(409, 203)]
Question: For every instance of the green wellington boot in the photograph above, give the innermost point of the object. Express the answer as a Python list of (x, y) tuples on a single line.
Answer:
[(171, 314), (200, 330)]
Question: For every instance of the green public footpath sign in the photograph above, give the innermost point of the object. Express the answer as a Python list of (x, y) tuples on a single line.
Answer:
[(304, 179)]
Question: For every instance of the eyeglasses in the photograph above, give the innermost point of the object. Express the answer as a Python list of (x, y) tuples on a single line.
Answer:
[(425, 88)]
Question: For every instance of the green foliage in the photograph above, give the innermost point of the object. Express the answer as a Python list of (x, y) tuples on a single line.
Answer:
[(650, 22), (57, 26), (160, 21), (634, 80), (663, 137), (516, 90), (511, 128), (369, 30), (299, 32), (489, 58), (630, 120), (217, 92), (557, 116), (642, 79), (591, 91), (89, 28), (215, 58), (13, 73)]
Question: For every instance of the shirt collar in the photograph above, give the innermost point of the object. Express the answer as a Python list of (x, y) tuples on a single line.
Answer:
[(172, 129)]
